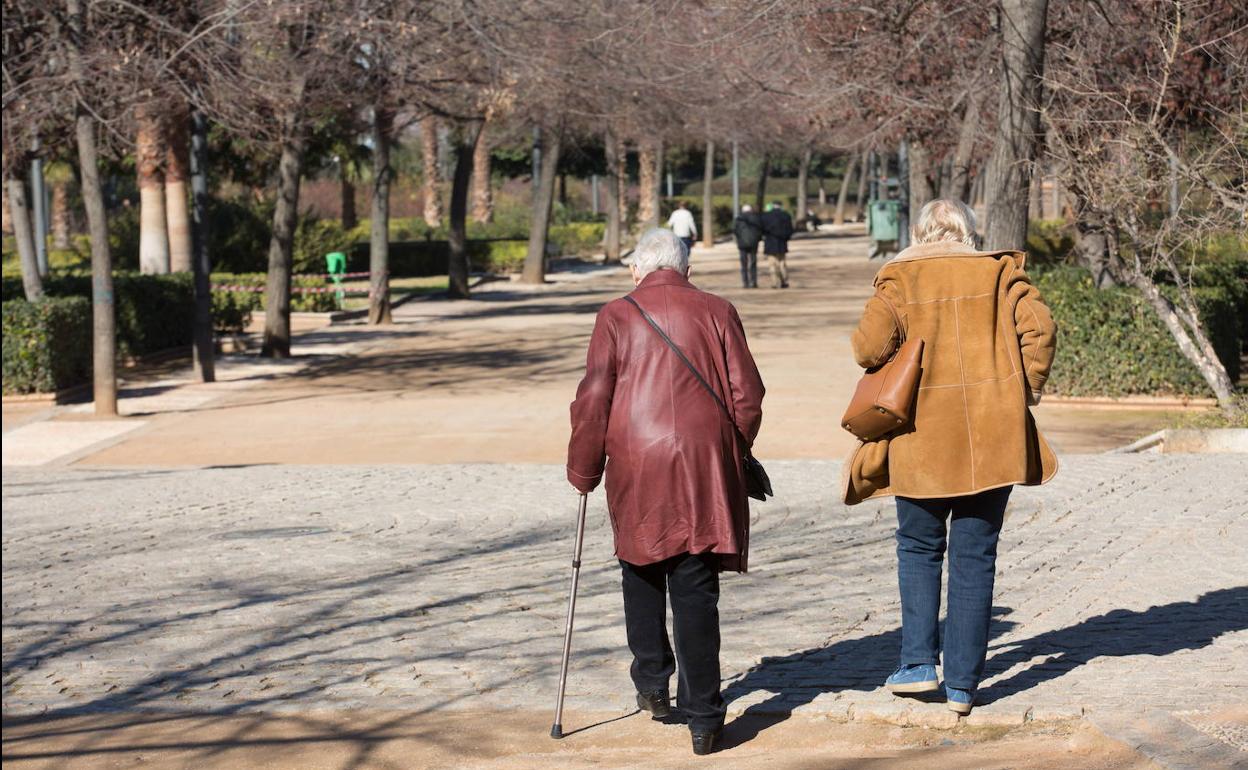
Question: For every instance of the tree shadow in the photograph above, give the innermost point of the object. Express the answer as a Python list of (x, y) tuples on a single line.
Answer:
[(859, 664), (1157, 631)]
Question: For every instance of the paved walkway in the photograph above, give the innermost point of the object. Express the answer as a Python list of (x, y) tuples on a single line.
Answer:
[(1121, 588)]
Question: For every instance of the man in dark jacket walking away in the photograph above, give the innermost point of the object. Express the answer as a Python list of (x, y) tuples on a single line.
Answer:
[(777, 230), (748, 230), (675, 483)]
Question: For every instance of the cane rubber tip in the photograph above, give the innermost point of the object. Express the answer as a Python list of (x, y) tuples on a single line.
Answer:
[(556, 732)]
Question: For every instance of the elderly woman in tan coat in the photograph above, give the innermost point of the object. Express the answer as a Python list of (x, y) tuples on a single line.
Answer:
[(988, 343)]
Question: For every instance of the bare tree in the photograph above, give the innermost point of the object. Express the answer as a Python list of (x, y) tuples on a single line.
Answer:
[(1018, 121)]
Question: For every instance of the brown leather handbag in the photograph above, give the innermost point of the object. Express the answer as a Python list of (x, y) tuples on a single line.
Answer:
[(884, 398)]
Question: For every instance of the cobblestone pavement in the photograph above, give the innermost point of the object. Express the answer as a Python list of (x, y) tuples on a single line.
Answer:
[(1123, 585)]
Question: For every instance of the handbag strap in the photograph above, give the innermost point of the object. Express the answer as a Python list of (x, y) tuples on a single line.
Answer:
[(692, 369), (901, 332)]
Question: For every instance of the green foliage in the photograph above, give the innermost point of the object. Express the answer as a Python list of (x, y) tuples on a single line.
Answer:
[(1111, 343), (1049, 241), (577, 238), (47, 344)]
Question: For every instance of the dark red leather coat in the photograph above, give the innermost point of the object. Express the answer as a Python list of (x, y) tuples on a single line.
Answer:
[(673, 462)]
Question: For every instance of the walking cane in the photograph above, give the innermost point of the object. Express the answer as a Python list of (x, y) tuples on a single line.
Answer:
[(557, 730)]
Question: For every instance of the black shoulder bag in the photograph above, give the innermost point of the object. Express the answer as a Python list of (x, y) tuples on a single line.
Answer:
[(757, 484)]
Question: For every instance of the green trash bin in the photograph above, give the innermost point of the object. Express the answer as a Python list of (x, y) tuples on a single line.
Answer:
[(336, 266), (884, 220)]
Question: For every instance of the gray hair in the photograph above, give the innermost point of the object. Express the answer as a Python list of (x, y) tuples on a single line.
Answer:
[(945, 219), (659, 248)]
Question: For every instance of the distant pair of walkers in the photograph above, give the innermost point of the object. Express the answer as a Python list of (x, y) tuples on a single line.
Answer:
[(773, 228), (671, 454)]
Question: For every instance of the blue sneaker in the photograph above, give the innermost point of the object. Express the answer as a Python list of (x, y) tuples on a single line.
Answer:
[(960, 701), (912, 678)]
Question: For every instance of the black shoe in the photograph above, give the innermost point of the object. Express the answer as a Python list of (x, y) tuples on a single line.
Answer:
[(706, 743), (656, 702)]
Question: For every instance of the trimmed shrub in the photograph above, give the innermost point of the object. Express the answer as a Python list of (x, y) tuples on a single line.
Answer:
[(235, 307), (47, 344), (419, 259), (1111, 343)]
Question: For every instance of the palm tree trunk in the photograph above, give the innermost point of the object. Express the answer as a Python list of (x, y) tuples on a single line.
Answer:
[(466, 137), (843, 194), (708, 197), (149, 160), (430, 182), (611, 238), (379, 235), (535, 259), (1018, 122), (177, 172), (60, 216), (285, 219), (32, 282), (482, 194)]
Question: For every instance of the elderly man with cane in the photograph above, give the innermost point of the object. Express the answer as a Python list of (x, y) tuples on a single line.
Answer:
[(669, 406)]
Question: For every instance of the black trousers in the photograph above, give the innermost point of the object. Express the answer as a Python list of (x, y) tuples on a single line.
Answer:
[(692, 581), (749, 267)]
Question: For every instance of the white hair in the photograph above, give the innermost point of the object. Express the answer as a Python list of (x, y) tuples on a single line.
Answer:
[(945, 219), (659, 248)]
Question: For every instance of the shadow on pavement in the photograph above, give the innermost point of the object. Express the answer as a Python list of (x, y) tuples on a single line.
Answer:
[(1157, 631)]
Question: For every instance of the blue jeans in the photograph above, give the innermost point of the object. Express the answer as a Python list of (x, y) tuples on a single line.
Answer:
[(972, 534)]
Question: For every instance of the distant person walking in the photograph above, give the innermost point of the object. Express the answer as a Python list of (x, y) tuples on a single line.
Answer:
[(681, 222), (988, 343), (676, 489), (777, 230), (748, 232)]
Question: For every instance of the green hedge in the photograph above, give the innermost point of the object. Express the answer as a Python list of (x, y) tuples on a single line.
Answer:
[(1111, 343), (47, 344), (154, 312)]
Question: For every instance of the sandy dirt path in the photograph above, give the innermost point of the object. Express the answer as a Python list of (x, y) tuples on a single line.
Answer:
[(490, 379)]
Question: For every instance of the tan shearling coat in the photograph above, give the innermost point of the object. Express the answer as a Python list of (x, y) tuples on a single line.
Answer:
[(988, 343)]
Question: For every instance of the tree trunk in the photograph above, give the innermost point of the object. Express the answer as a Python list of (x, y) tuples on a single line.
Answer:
[(379, 235), (920, 185), (611, 238), (963, 154), (622, 184), (535, 260), (1035, 201), (482, 194), (60, 216), (103, 315), (1018, 122), (656, 192), (708, 197), (281, 245), (149, 157), (803, 172), (466, 138), (346, 191), (864, 173), (823, 193), (201, 262), (429, 183), (647, 184), (760, 194), (1190, 335), (843, 194), (32, 282), (177, 172)]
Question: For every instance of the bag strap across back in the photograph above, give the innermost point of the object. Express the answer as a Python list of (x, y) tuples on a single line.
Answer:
[(692, 369)]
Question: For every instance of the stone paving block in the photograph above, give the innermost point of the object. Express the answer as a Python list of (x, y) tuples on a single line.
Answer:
[(258, 588)]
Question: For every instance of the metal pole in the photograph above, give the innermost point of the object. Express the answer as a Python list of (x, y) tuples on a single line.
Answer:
[(203, 348), (557, 730), (38, 191), (736, 181), (593, 193), (669, 184)]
